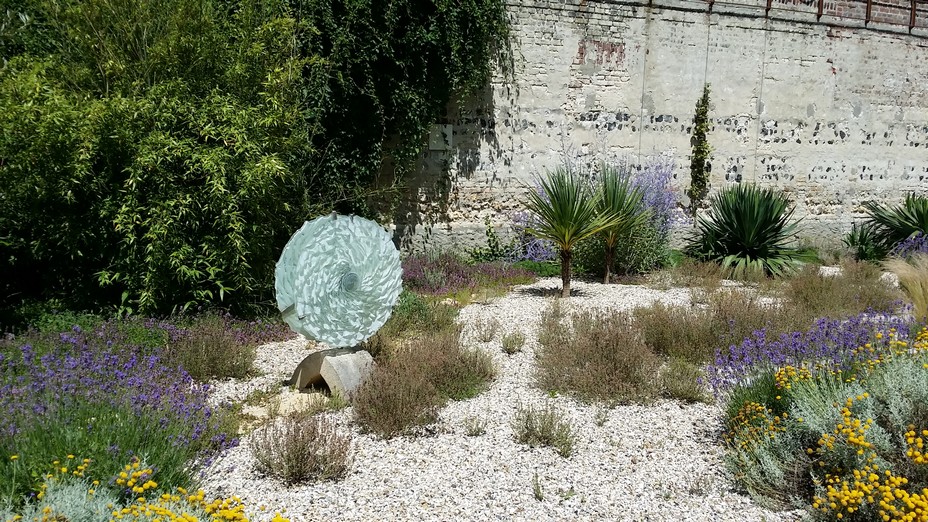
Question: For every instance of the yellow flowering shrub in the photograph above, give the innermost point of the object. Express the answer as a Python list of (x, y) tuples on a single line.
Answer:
[(863, 439), (66, 492)]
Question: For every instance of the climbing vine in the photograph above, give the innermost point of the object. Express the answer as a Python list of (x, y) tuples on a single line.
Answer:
[(699, 165)]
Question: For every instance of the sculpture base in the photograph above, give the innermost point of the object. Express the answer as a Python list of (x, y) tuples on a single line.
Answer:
[(341, 370)]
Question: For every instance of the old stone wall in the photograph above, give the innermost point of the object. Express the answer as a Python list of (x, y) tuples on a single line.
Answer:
[(807, 96)]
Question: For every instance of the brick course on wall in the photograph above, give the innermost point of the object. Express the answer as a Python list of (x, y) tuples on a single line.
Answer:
[(811, 97)]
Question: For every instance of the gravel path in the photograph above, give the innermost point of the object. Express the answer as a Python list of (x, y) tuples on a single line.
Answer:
[(658, 462)]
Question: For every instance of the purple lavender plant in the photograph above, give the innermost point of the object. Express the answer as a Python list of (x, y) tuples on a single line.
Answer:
[(659, 196), (830, 343), (914, 244), (86, 391)]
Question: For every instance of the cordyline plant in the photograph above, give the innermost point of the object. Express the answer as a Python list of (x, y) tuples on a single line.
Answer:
[(620, 198), (566, 211)]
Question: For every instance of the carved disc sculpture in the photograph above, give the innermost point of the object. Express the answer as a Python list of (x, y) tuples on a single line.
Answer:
[(338, 279)]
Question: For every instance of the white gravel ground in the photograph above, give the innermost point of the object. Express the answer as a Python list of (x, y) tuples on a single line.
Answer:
[(658, 462)]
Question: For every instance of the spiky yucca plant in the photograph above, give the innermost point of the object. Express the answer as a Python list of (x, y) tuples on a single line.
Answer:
[(893, 225), (862, 242), (747, 229), (565, 211), (619, 197)]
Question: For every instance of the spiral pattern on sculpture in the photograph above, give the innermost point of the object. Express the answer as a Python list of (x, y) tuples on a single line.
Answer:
[(338, 279)]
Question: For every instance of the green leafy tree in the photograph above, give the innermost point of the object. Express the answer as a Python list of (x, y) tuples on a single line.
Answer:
[(619, 198), (566, 210), (699, 164)]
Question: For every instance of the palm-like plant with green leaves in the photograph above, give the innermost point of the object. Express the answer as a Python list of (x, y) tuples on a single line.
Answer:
[(747, 229), (619, 198), (893, 225), (565, 211)]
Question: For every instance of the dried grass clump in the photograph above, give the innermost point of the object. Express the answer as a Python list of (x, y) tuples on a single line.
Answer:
[(406, 389), (301, 448), (913, 278), (691, 273), (855, 289), (486, 329), (596, 357), (544, 427)]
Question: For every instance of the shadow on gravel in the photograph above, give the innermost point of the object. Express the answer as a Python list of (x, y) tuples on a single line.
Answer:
[(549, 292)]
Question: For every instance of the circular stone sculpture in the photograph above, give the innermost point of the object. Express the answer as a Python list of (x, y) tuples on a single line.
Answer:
[(338, 279)]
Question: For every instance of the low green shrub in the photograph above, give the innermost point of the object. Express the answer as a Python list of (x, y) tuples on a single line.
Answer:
[(406, 389), (546, 426), (513, 343), (682, 380), (540, 268), (412, 316), (72, 490), (595, 357), (301, 448)]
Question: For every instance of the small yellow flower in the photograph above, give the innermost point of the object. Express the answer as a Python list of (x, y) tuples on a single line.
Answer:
[(14, 457)]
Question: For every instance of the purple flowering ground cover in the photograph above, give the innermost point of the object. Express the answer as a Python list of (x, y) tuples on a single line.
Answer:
[(445, 273), (110, 394)]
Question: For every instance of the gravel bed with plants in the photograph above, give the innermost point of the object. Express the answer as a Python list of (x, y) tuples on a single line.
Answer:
[(658, 461)]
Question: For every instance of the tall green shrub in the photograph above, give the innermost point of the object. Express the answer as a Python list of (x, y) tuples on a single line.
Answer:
[(699, 164), (158, 153), (619, 197)]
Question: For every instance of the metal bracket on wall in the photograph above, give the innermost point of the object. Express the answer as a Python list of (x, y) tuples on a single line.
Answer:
[(912, 17), (869, 10)]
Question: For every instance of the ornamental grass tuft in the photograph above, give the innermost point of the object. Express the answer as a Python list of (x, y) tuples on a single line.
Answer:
[(547, 426), (913, 278)]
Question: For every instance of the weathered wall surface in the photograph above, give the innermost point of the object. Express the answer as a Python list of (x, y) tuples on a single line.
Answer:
[(831, 111)]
